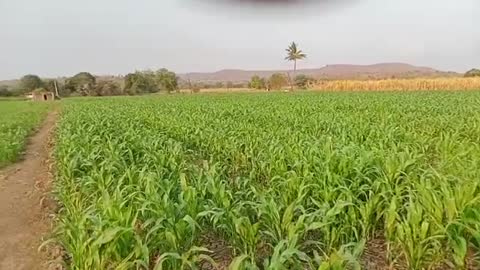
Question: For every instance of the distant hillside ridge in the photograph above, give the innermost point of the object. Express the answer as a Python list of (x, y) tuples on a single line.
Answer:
[(333, 72), (329, 72)]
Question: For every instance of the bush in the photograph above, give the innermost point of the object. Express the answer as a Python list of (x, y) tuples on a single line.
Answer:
[(473, 73), (196, 88), (82, 83), (108, 88), (257, 83), (277, 81), (5, 92), (29, 83), (303, 82)]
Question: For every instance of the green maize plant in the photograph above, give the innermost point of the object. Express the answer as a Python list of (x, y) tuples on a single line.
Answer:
[(273, 180), (17, 121)]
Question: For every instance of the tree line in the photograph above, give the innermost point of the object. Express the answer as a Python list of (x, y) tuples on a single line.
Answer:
[(86, 84), (473, 73), (278, 81), (142, 82)]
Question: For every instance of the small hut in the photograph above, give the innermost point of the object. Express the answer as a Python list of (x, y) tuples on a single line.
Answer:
[(42, 95)]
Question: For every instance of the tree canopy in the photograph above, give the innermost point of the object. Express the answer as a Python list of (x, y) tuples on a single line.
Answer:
[(108, 88), (5, 91), (139, 82), (257, 83), (82, 83), (303, 81), (29, 83), (150, 82), (473, 73), (277, 81), (166, 80), (294, 54)]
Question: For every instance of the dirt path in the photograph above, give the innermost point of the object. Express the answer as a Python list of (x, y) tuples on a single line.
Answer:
[(23, 215)]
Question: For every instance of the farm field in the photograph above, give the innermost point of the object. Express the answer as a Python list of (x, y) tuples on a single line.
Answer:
[(17, 120), (433, 84), (270, 181)]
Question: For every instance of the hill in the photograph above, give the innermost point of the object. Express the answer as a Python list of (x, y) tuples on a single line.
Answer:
[(333, 72), (377, 71)]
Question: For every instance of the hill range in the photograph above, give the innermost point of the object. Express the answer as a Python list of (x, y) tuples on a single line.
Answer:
[(332, 72), (329, 72)]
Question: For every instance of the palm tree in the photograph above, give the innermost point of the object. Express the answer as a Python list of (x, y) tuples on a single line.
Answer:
[(294, 54)]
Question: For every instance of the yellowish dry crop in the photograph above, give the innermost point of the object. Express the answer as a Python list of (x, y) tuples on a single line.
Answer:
[(447, 84)]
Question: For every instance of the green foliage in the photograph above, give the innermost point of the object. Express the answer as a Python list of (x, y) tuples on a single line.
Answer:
[(29, 83), (303, 81), (196, 88), (5, 91), (166, 80), (277, 81), (140, 82), (108, 88), (299, 181), (257, 83), (49, 85), (17, 120), (473, 73), (82, 83), (294, 54), (150, 82)]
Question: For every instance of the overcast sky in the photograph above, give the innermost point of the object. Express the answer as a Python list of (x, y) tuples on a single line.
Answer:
[(63, 37)]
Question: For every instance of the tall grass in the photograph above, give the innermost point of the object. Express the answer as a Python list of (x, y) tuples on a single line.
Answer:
[(297, 181), (446, 84), (17, 119)]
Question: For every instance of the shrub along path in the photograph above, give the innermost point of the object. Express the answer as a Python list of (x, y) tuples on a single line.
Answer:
[(23, 208)]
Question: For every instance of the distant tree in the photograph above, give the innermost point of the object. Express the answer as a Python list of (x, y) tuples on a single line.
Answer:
[(257, 83), (166, 80), (240, 85), (108, 88), (473, 73), (229, 85), (302, 81), (5, 91), (196, 88), (140, 82), (219, 85), (204, 85), (63, 91), (49, 85), (277, 81), (82, 83), (29, 83), (294, 54)]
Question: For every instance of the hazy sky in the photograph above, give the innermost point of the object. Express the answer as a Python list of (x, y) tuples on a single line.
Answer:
[(63, 37)]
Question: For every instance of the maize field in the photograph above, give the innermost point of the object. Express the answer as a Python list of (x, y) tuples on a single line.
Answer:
[(270, 181), (433, 84), (17, 120)]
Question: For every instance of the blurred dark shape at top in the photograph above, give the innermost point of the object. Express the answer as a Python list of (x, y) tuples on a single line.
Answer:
[(271, 7), (271, 2)]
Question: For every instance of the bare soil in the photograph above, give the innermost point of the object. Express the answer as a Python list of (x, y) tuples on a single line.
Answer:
[(222, 253), (24, 205)]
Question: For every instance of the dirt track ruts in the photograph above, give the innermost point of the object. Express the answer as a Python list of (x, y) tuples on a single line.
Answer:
[(24, 218)]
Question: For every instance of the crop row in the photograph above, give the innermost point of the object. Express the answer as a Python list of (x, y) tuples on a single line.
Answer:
[(270, 181), (17, 119)]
